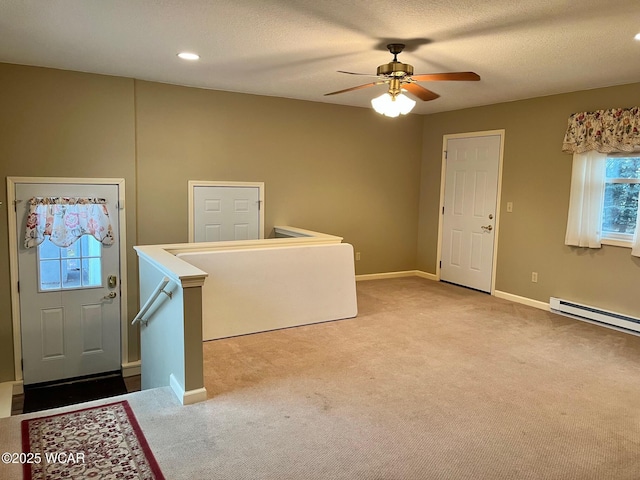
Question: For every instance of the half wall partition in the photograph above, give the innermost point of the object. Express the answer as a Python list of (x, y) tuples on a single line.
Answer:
[(223, 289)]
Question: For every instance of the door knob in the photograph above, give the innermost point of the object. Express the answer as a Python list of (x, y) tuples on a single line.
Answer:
[(110, 296), (488, 228)]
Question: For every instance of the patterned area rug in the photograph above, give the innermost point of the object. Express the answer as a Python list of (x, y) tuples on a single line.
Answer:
[(102, 442)]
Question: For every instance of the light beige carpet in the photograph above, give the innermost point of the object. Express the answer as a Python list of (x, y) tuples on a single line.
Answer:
[(430, 381)]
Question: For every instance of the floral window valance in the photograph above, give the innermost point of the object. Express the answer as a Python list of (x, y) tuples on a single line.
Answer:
[(604, 131), (66, 219)]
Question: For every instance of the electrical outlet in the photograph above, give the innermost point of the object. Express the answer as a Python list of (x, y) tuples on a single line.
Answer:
[(509, 207), (357, 255), (534, 277)]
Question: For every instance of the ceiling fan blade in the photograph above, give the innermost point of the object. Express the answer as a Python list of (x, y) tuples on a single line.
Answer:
[(361, 74), (420, 92), (438, 77), (354, 88)]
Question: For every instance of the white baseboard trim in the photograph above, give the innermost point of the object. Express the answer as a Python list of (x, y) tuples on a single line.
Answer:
[(406, 273), (176, 387), (523, 300), (6, 399), (187, 397), (194, 396), (131, 369), (18, 387), (428, 276)]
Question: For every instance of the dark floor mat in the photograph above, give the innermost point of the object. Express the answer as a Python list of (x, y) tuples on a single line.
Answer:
[(51, 396)]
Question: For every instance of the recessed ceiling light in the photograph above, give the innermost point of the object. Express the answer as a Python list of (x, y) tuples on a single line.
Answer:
[(189, 56), (637, 37)]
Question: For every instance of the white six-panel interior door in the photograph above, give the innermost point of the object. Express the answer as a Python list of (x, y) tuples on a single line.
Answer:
[(469, 210), (70, 314), (222, 211)]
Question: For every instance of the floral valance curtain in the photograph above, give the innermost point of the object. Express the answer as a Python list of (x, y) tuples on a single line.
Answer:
[(590, 137), (66, 219), (604, 131)]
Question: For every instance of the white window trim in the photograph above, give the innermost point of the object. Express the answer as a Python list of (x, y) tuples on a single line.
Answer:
[(617, 243)]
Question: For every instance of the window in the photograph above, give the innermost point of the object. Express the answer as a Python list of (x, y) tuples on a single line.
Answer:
[(76, 266), (620, 204), (605, 178)]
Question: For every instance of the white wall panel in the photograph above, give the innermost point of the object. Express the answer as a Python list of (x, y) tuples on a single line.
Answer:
[(262, 289)]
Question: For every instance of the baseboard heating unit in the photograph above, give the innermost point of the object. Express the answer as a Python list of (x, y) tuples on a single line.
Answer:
[(595, 315)]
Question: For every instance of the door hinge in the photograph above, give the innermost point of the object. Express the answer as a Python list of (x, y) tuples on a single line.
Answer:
[(443, 209), (440, 263), (18, 287), (22, 364), (259, 205), (445, 154)]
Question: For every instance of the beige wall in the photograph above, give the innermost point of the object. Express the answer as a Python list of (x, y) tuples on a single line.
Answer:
[(339, 170), (536, 179), (62, 124)]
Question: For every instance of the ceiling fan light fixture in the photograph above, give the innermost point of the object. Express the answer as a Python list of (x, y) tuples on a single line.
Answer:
[(390, 106), (379, 104), (406, 104)]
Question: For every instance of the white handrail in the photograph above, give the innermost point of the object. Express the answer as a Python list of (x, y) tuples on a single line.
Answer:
[(147, 305)]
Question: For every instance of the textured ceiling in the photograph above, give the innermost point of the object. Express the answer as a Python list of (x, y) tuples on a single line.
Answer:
[(293, 48)]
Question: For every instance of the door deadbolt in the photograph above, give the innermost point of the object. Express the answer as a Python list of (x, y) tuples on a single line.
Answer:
[(112, 281), (491, 216)]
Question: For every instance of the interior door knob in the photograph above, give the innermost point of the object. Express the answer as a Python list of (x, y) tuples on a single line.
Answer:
[(488, 228)]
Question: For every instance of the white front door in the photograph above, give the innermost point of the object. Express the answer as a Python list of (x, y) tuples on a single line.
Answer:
[(226, 213), (69, 297), (468, 224)]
